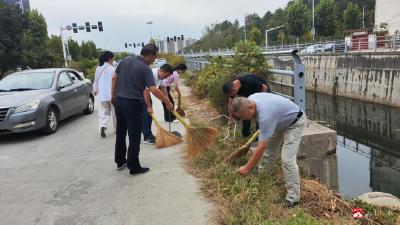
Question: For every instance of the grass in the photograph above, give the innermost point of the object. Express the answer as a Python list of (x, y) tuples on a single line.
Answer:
[(258, 199)]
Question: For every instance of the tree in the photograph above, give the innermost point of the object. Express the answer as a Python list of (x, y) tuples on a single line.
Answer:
[(326, 18), (298, 18), (34, 41), (11, 27), (255, 35), (352, 17), (89, 50), (55, 55), (74, 50)]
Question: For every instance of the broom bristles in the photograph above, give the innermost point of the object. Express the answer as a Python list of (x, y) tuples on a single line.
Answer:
[(242, 151), (166, 139), (198, 139)]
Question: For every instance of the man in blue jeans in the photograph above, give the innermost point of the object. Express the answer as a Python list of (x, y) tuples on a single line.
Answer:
[(132, 76), (159, 75)]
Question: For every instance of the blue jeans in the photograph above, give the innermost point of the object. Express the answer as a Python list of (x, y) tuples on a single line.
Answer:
[(146, 121)]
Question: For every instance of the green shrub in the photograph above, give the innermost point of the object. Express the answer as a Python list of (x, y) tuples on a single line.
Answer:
[(207, 83), (172, 59), (86, 66)]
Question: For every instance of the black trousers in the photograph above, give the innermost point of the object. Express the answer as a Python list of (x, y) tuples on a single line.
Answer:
[(246, 129), (129, 115), (168, 116)]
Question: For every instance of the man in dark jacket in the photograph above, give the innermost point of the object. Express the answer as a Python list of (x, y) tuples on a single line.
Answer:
[(244, 86)]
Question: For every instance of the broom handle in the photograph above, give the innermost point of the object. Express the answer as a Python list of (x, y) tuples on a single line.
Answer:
[(253, 138), (155, 120), (179, 102), (184, 123)]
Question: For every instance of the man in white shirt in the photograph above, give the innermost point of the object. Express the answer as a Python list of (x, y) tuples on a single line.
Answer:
[(102, 87), (159, 74), (281, 121)]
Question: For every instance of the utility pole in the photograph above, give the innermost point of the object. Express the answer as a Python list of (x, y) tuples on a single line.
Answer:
[(363, 22), (245, 32), (150, 23), (63, 46), (313, 21)]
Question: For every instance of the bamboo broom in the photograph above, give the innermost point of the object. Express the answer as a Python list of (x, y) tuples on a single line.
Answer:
[(163, 137), (197, 139), (242, 150), (179, 110)]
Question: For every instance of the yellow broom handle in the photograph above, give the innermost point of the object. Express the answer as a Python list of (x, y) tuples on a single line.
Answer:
[(253, 138), (155, 120), (185, 124)]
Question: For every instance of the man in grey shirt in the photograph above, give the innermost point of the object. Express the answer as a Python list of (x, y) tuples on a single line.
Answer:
[(132, 76), (279, 120)]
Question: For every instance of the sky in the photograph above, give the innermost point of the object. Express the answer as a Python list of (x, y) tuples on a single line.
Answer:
[(125, 20)]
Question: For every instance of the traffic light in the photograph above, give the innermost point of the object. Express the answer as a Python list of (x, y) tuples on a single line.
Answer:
[(100, 24), (134, 45), (126, 45), (130, 45), (75, 28), (142, 44), (174, 38), (182, 37), (179, 38), (87, 26), (167, 39)]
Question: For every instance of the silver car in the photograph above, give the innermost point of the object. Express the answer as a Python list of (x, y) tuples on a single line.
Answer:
[(40, 99)]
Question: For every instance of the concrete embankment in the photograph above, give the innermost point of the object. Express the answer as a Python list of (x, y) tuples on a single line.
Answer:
[(373, 77)]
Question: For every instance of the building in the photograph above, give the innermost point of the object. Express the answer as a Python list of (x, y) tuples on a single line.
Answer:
[(174, 44), (387, 11), (24, 4)]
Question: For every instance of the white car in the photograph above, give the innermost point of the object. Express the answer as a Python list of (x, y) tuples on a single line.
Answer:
[(312, 49), (159, 62)]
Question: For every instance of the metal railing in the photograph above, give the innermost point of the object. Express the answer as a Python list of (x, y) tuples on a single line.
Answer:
[(298, 82), (376, 43)]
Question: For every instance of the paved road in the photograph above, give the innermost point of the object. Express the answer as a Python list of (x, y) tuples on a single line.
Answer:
[(70, 178)]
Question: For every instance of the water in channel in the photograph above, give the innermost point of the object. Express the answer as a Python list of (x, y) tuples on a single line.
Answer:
[(368, 144)]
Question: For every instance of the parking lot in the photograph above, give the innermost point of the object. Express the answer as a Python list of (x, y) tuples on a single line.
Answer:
[(70, 178)]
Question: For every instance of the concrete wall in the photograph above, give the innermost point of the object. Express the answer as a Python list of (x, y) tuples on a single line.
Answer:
[(373, 77)]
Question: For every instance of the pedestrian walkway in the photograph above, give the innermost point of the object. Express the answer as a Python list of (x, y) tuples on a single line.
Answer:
[(71, 178)]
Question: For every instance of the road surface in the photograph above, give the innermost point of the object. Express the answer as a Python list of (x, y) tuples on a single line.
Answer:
[(70, 178)]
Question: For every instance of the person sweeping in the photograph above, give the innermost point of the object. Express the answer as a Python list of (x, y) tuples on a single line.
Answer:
[(280, 120), (172, 80), (131, 78), (244, 86)]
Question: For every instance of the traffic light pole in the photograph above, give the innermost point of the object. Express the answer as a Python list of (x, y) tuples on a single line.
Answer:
[(63, 46)]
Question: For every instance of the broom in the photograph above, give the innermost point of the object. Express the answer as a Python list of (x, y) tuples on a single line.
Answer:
[(164, 138), (179, 110), (197, 139), (242, 150)]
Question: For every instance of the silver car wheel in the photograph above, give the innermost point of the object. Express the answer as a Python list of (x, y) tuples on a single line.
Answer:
[(52, 120)]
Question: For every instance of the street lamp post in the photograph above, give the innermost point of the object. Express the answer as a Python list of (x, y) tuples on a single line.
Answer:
[(245, 32), (313, 21), (150, 23), (266, 34)]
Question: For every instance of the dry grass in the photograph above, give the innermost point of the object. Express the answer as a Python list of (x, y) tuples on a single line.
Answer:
[(258, 198)]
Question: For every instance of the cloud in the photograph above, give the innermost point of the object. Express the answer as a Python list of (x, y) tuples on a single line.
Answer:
[(125, 20)]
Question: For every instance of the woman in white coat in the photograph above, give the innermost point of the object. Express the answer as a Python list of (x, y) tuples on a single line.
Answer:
[(102, 88)]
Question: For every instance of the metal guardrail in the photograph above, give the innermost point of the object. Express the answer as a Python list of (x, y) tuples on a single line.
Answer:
[(199, 60)]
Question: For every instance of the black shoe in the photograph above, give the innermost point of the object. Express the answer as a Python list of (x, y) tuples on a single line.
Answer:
[(151, 140), (103, 132), (290, 204), (139, 171), (121, 166)]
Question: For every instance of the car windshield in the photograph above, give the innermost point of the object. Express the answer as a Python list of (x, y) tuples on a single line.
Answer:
[(27, 81)]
